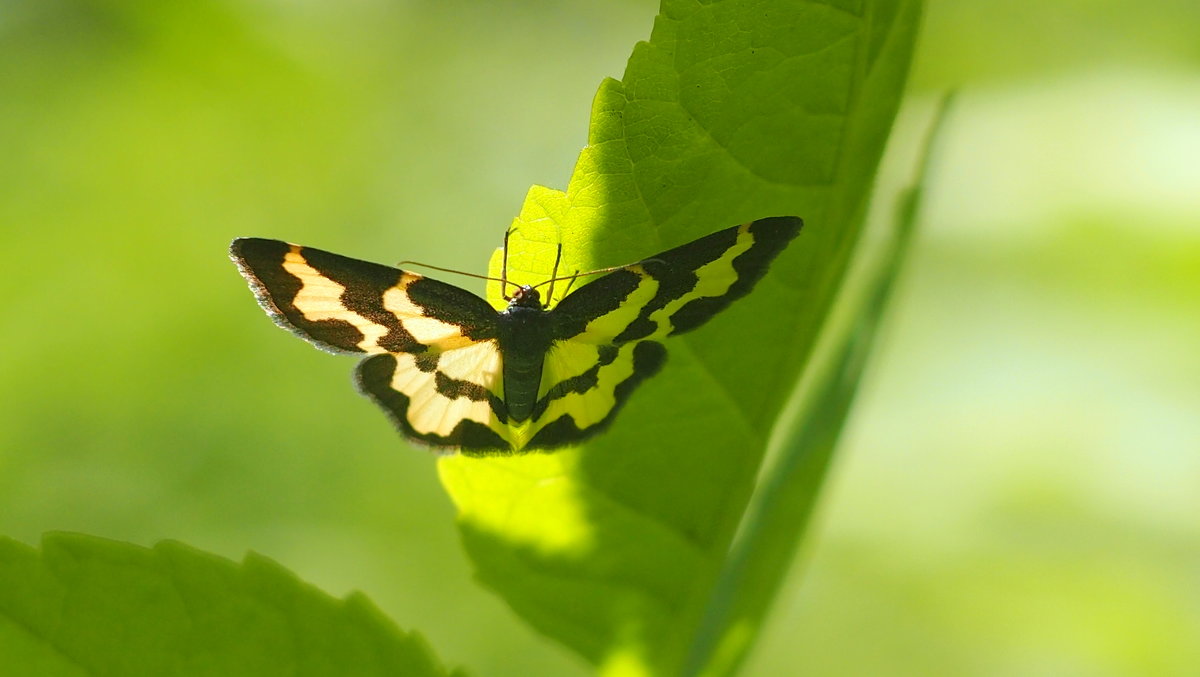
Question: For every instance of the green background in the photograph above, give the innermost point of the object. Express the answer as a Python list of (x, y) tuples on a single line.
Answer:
[(1020, 483)]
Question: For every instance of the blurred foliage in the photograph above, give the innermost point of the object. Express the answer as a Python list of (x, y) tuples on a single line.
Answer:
[(84, 605), (1020, 492), (987, 41)]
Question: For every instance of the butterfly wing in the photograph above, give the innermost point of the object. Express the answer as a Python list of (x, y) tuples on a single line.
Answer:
[(608, 331), (434, 364)]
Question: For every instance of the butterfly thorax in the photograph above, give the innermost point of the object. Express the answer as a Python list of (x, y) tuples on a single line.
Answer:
[(525, 332)]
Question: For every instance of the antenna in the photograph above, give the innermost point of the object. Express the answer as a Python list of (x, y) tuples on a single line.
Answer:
[(597, 271), (448, 270), (554, 276)]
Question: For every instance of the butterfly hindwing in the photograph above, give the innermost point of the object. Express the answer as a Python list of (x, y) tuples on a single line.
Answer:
[(429, 404), (575, 408)]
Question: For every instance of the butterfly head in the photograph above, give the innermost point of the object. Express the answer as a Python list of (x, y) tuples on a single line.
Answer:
[(526, 297)]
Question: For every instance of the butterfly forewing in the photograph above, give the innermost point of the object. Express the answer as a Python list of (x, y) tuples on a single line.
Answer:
[(345, 304)]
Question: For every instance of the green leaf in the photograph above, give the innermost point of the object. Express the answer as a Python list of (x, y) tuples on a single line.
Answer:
[(734, 110), (89, 606), (779, 513)]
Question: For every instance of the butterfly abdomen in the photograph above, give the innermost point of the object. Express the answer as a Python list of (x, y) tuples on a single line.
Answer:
[(525, 334)]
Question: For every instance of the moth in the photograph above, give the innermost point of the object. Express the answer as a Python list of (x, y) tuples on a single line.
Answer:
[(454, 373)]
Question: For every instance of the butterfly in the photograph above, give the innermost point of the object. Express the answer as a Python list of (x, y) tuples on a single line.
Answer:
[(452, 372)]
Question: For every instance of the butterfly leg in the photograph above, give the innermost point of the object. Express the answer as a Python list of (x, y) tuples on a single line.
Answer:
[(554, 275), (504, 268), (571, 283)]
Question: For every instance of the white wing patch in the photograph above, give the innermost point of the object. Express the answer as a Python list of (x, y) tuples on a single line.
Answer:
[(320, 298), (428, 330), (432, 412)]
